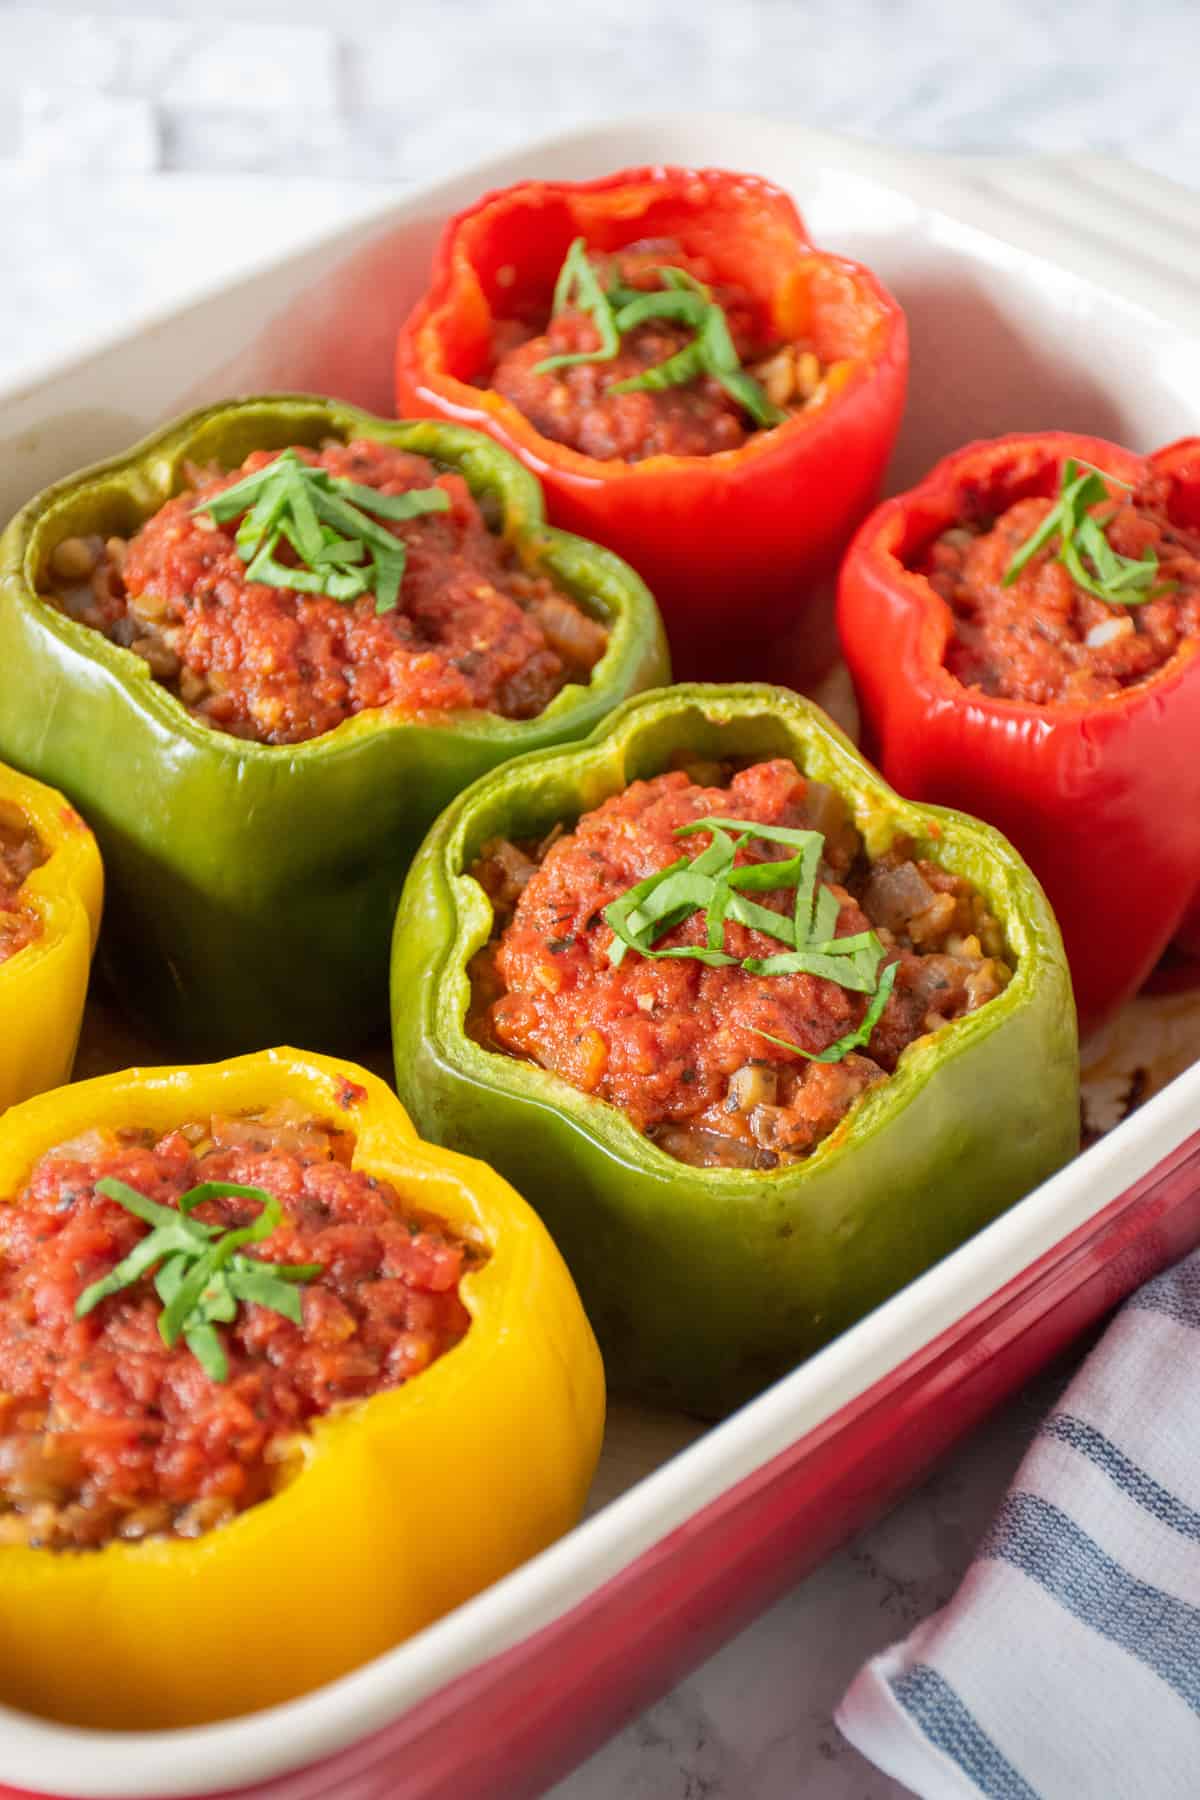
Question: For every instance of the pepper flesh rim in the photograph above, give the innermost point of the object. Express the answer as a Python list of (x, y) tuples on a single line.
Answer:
[(1018, 901), (932, 621), (629, 611), (468, 1194), (69, 883), (429, 378)]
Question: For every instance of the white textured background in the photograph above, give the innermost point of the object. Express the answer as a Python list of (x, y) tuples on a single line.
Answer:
[(122, 128), (138, 145)]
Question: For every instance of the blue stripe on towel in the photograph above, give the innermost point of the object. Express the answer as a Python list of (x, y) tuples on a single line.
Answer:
[(1176, 1292), (1132, 1481), (1046, 1544), (949, 1726)]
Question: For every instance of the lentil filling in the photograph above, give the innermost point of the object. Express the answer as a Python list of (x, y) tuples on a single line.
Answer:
[(575, 406), (1045, 639), (20, 854), (105, 1432), (472, 629), (677, 1044)]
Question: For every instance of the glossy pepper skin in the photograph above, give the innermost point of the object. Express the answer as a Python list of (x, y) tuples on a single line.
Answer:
[(705, 1284), (1103, 800), (254, 884), (43, 987), (406, 1503), (739, 548)]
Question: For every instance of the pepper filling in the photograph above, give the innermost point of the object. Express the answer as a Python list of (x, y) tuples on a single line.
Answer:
[(106, 1432), (1041, 637), (469, 628), (678, 1044), (20, 854), (575, 404)]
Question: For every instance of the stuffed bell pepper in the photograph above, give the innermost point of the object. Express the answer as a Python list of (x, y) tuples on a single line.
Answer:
[(265, 1359), (759, 1039), (1023, 629), (696, 386), (273, 641), (51, 888)]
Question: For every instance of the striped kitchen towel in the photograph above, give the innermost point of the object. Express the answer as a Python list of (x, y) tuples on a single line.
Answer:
[(1067, 1666)]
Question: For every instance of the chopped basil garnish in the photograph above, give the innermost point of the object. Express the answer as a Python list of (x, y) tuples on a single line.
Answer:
[(683, 301), (202, 1276), (578, 290), (1117, 580), (853, 1040), (712, 884), (341, 551)]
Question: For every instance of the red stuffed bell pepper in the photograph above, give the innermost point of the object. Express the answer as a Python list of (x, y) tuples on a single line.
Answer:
[(731, 476), (1024, 637)]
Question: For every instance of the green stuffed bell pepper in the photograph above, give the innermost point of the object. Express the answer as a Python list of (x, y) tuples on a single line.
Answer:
[(262, 651), (759, 1039)]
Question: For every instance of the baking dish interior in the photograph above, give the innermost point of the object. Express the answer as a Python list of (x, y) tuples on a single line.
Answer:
[(1014, 327)]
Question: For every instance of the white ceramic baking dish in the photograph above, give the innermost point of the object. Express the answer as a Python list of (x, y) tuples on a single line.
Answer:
[(1048, 292)]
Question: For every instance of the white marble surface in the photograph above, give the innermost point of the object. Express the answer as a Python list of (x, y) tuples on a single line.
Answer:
[(255, 122)]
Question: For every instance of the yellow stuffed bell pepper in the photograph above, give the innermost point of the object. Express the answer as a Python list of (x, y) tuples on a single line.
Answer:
[(395, 1508), (44, 983)]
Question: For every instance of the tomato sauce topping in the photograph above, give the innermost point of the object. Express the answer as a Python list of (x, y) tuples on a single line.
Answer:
[(472, 629), (20, 853), (574, 405), (1044, 638), (677, 1044), (105, 1432)]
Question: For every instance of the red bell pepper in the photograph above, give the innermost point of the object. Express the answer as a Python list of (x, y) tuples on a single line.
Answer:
[(740, 548), (1102, 799)]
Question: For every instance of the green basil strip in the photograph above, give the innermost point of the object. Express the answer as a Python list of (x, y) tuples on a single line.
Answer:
[(351, 521), (149, 1211), (415, 503), (1118, 580), (235, 499), (825, 915), (676, 304), (854, 972), (335, 549), (760, 918), (853, 1040), (681, 278), (202, 1276), (389, 573), (264, 568), (208, 1351), (266, 1289), (676, 371), (262, 519), (579, 288), (796, 837), (141, 1259)]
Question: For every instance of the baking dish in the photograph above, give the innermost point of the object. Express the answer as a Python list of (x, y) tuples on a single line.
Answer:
[(1026, 312)]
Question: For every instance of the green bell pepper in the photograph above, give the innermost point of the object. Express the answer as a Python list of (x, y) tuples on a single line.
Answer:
[(705, 1284), (253, 885)]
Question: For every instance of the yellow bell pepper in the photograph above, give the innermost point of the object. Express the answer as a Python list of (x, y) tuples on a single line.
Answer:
[(404, 1505), (43, 987)]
